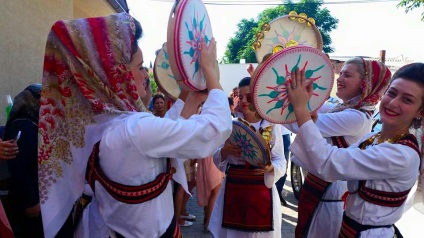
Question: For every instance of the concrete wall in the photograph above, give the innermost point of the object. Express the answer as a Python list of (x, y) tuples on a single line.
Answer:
[(24, 27), (92, 8)]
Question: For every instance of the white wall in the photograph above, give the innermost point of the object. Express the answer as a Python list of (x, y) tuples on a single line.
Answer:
[(231, 74)]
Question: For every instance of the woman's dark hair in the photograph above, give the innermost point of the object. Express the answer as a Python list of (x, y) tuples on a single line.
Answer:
[(137, 35), (158, 95), (230, 101), (413, 72), (244, 82)]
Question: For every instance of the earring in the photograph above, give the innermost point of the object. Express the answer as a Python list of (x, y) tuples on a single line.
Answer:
[(417, 122)]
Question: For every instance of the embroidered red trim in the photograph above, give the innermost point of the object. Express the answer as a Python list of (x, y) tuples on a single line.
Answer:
[(126, 193)]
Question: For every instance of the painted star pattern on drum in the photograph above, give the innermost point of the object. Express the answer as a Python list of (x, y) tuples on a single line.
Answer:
[(247, 149), (278, 93), (286, 38), (165, 64), (196, 33)]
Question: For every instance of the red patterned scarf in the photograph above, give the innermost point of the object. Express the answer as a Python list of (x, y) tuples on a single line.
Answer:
[(377, 77), (86, 74)]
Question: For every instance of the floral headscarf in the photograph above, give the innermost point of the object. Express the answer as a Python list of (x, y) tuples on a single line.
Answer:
[(375, 83), (86, 74)]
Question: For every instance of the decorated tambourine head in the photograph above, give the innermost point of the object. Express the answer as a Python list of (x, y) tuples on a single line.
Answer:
[(254, 148), (269, 82), (284, 32), (188, 25), (164, 77)]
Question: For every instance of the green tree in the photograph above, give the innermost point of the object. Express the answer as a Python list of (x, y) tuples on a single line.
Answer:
[(241, 41), (240, 46), (153, 83), (412, 4)]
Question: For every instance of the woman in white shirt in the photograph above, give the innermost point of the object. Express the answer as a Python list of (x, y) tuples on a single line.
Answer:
[(360, 85), (381, 168), (91, 110), (229, 157)]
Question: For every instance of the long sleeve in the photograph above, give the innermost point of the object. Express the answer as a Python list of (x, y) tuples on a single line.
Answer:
[(146, 138), (344, 123), (174, 112), (377, 162), (197, 137), (277, 157)]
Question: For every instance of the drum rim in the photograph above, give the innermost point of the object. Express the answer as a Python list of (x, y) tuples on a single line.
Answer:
[(157, 79)]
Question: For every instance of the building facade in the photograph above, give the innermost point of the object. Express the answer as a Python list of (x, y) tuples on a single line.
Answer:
[(25, 25)]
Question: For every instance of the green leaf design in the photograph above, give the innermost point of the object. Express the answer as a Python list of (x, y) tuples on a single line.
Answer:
[(201, 23), (279, 104), (196, 68), (190, 33), (290, 109), (315, 86), (297, 64), (280, 79), (272, 94), (310, 72)]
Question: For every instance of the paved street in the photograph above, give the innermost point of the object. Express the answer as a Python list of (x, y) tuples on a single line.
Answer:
[(289, 216)]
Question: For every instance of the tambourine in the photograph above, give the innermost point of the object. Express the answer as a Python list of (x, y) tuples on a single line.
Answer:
[(269, 82), (254, 148), (164, 77), (188, 25), (284, 32)]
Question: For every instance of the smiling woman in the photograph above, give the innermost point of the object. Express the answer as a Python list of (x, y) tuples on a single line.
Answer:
[(381, 168), (360, 84)]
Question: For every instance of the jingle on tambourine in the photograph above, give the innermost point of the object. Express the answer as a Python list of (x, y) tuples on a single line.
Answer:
[(284, 32)]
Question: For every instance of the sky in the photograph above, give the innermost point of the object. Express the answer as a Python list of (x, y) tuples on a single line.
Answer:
[(363, 29)]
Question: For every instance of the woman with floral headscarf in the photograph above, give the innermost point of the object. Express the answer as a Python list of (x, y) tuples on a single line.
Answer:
[(381, 168), (91, 111), (360, 85)]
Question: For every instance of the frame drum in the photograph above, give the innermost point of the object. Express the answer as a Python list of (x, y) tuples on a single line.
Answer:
[(254, 148), (164, 77), (268, 86), (284, 32), (188, 25)]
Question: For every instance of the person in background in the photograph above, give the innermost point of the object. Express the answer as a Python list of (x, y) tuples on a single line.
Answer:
[(146, 100), (159, 107), (231, 103), (181, 197), (94, 127), (381, 168), (5, 227), (360, 85), (23, 192), (238, 211), (208, 182)]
